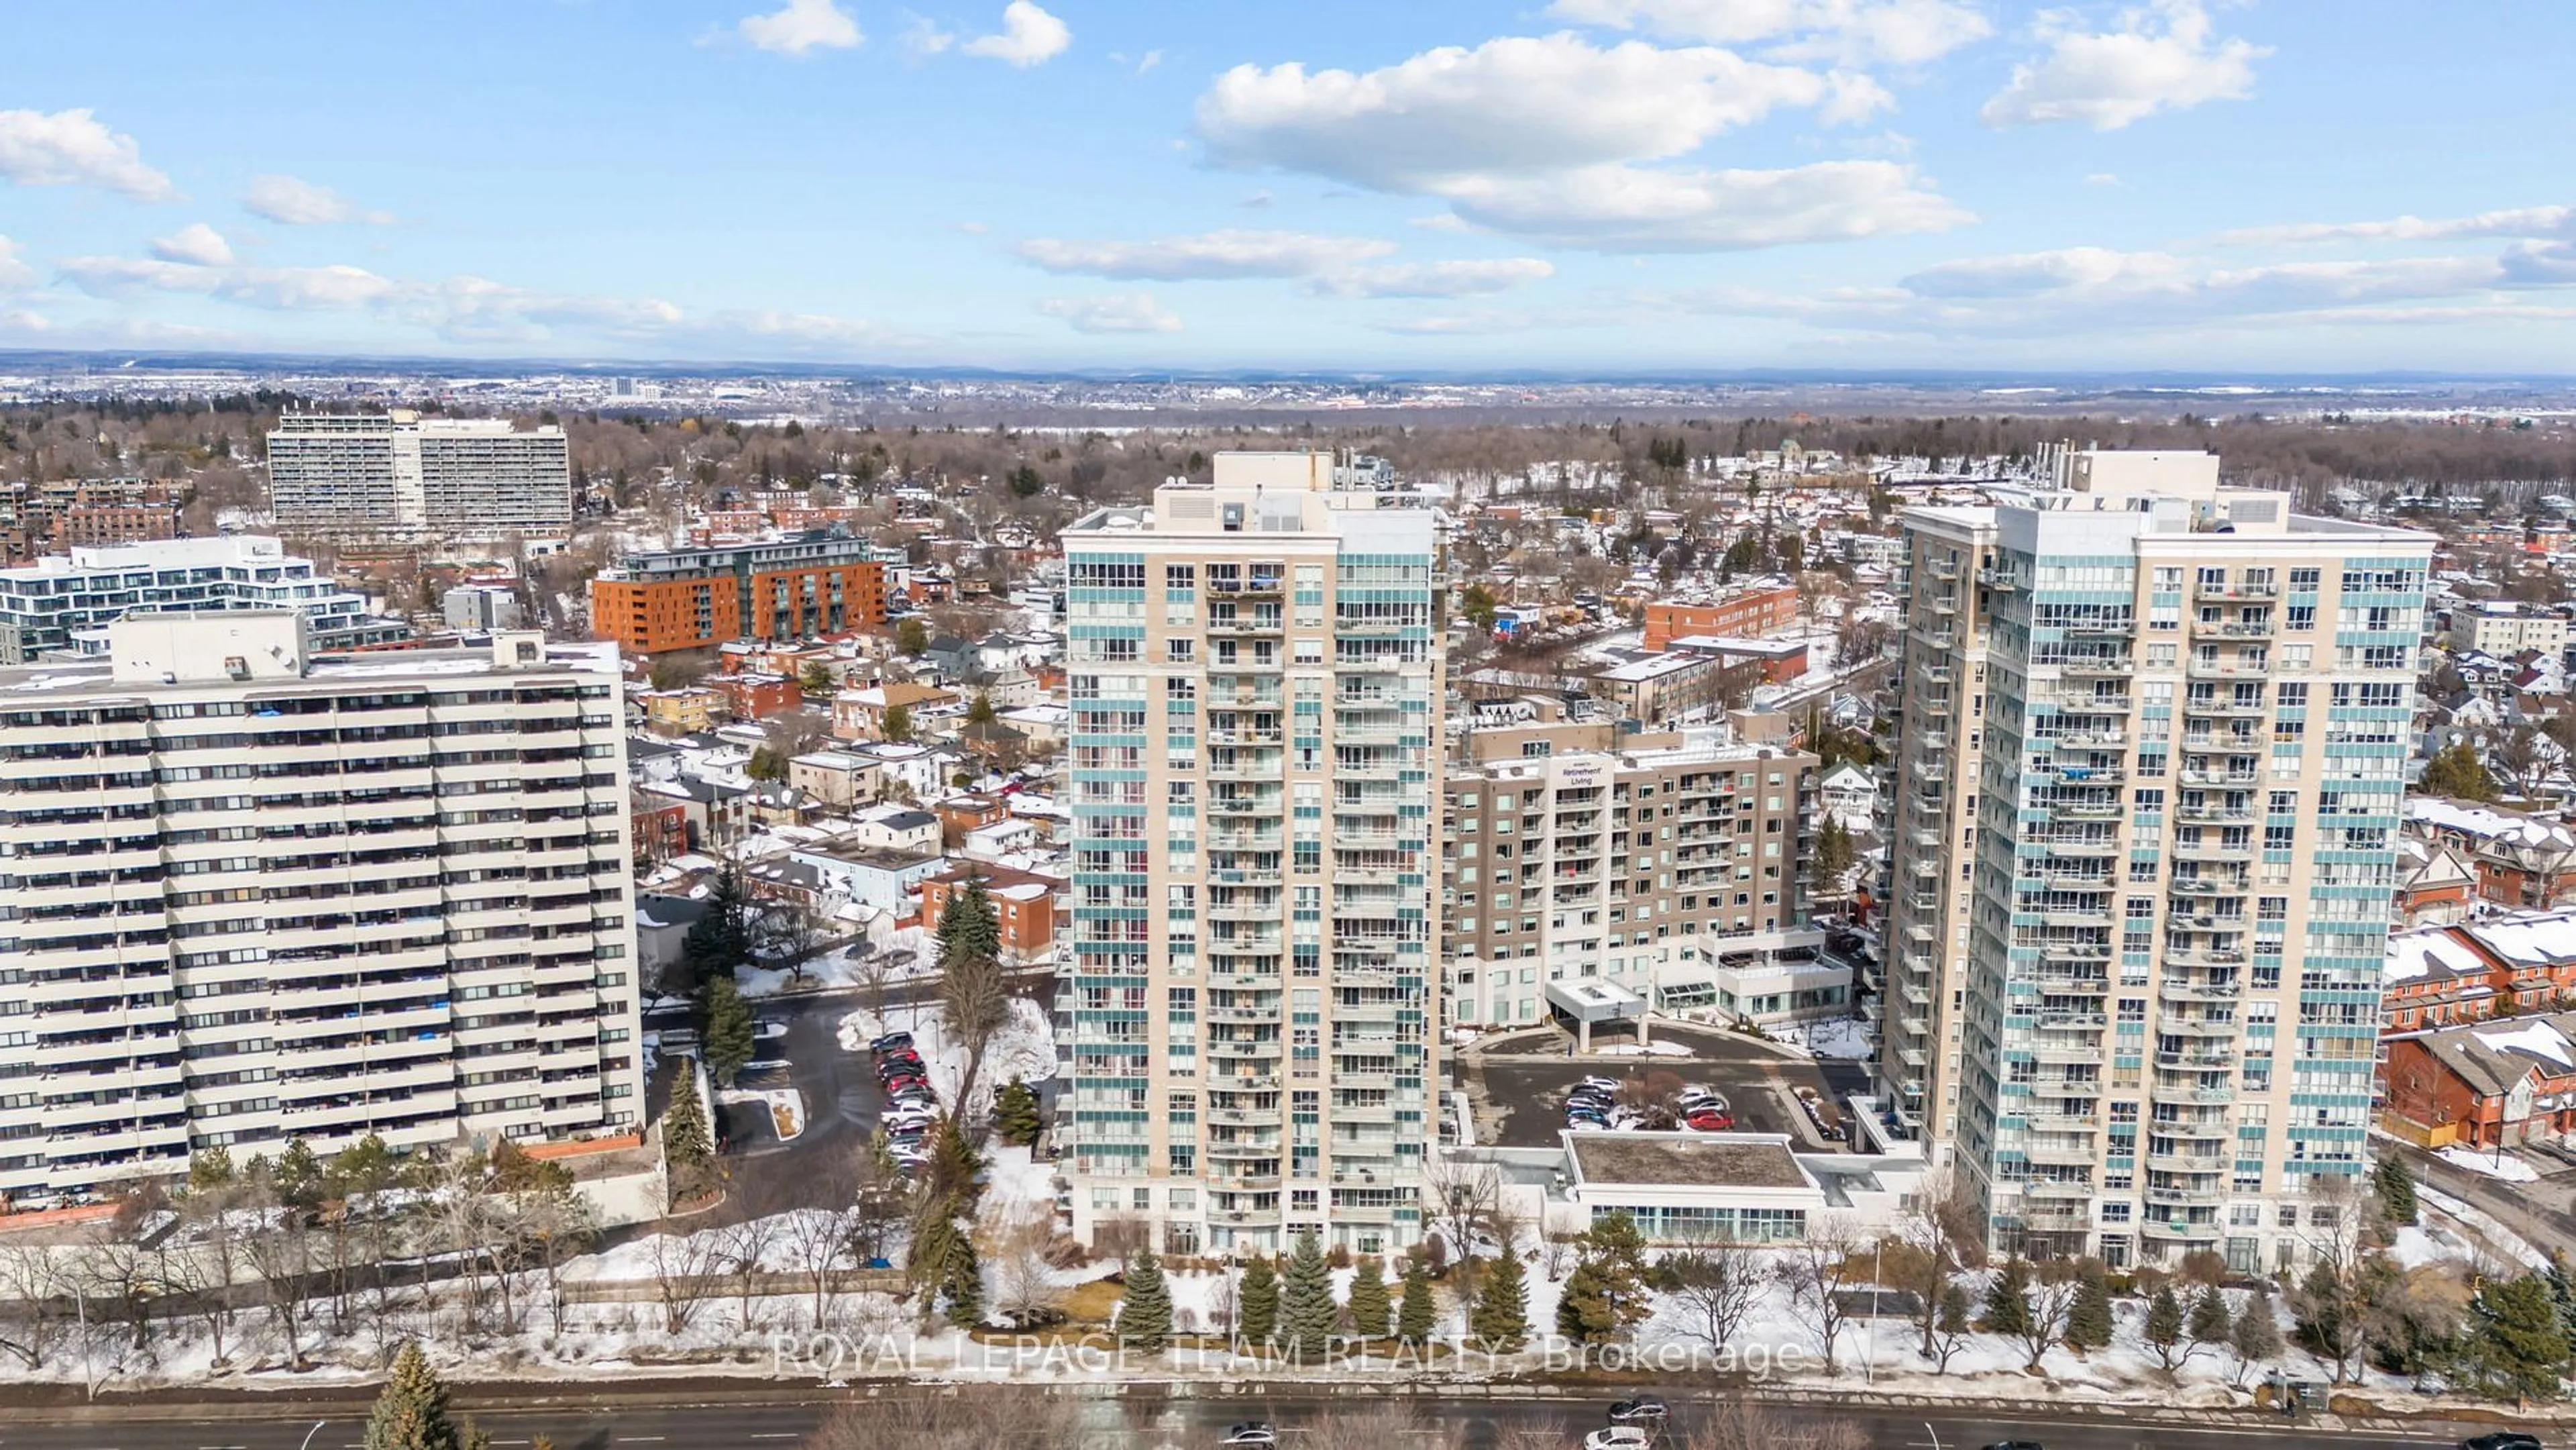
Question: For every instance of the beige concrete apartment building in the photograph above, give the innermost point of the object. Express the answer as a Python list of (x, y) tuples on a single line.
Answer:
[(1671, 868), (255, 894), (1255, 678), (2161, 806)]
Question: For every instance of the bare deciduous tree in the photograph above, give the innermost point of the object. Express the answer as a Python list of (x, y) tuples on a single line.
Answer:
[(963, 1420), (1945, 1229), (684, 1271), (1716, 1283), (1816, 1270), (1027, 1293), (34, 1282)]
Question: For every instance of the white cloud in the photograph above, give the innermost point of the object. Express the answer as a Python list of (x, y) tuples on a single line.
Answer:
[(298, 203), (284, 289), (1850, 32), (1552, 137), (1515, 105), (801, 27), (71, 148), (21, 320), (2161, 58), (1029, 36), (2529, 221), (1475, 278), (1638, 209), (196, 244), (1118, 312), (2103, 178), (13, 273), (1447, 221), (1207, 256), (922, 37), (1462, 324), (1148, 61)]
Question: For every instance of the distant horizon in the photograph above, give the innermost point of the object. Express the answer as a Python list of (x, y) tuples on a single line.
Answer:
[(2033, 376)]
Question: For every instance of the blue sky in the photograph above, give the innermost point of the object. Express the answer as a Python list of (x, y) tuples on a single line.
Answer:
[(1570, 184)]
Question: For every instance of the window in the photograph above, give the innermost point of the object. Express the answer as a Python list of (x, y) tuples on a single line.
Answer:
[(2303, 580)]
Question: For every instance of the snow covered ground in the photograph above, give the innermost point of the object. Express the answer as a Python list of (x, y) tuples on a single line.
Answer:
[(2494, 1165), (1651, 1049), (1845, 1038), (1024, 1048), (901, 955)]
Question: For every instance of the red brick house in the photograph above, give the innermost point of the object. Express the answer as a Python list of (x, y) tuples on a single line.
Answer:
[(2522, 860), (1024, 903), (2438, 976), (2488, 1084), (753, 695), (2435, 883), (661, 829)]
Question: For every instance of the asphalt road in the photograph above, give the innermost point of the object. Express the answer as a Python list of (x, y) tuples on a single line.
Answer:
[(1153, 1424)]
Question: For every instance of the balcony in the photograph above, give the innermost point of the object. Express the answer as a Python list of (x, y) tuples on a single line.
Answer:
[(2184, 989), (2096, 667), (2201, 1232), (2234, 629), (2200, 669), (2238, 589)]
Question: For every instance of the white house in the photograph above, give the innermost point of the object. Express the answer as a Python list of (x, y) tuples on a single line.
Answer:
[(871, 875), (895, 828), (1849, 795)]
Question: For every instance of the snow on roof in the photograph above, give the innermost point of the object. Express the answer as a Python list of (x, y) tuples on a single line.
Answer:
[(2416, 954), (2507, 826), (2549, 938), (2537, 1039)]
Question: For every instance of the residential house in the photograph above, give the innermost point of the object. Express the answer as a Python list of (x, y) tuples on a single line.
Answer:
[(1850, 796), (860, 714), (838, 778), (755, 695), (660, 827), (895, 828), (684, 711), (2522, 860), (959, 814), (1024, 906), (718, 814), (2485, 1085), (871, 875), (2436, 884)]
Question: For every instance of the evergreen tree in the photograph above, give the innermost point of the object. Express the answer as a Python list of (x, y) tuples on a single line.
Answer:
[(2562, 1292), (815, 682), (1615, 1252), (721, 938), (1015, 1113), (1834, 853), (1145, 1315), (981, 711), (210, 1169), (1306, 1309), (688, 1147), (2088, 1322), (1369, 1305), (2394, 1184), (2209, 1322), (962, 1285), (1956, 1316), (2165, 1326), (411, 1410), (2007, 1306), (1257, 1303), (1583, 1309), (2457, 773), (1418, 1315), (912, 637), (956, 1169), (1501, 1320), (728, 1044), (970, 926), (2518, 1342), (299, 1176), (895, 726), (2256, 1336)]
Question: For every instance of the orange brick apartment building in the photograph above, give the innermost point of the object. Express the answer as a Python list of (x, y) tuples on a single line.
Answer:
[(1749, 613), (693, 598)]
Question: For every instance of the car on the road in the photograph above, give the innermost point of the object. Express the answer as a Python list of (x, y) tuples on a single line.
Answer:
[(2502, 1440), (1643, 1410), (1619, 1437), (1250, 1433), (2015, 1445)]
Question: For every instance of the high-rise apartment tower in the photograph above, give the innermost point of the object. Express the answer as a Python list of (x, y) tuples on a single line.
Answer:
[(1256, 687), (2151, 766)]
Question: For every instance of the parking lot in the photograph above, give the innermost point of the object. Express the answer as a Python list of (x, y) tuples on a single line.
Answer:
[(1517, 1089)]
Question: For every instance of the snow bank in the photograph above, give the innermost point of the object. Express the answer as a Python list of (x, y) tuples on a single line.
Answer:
[(1024, 1047), (1842, 1038), (2504, 1166)]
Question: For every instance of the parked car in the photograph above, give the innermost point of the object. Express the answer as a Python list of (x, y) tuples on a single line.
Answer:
[(1618, 1437), (1697, 1098), (1250, 1433), (891, 1042), (1643, 1410), (1606, 1084), (2014, 1445), (1709, 1122), (2503, 1440)]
